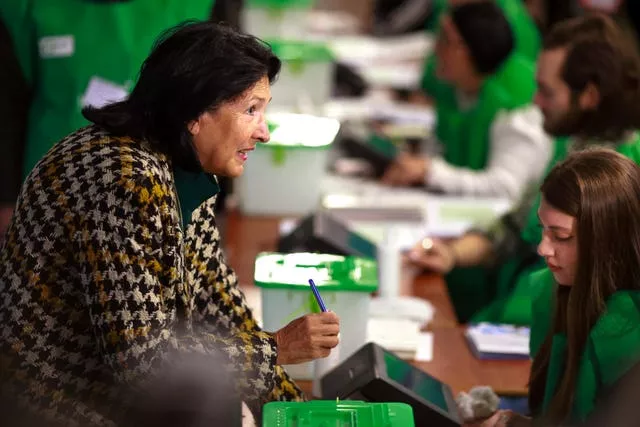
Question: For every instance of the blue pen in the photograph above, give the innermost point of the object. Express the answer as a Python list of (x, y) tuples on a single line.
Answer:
[(314, 289)]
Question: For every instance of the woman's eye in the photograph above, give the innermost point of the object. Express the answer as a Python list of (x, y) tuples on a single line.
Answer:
[(252, 110)]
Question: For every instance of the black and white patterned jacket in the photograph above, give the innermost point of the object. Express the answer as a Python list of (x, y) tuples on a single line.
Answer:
[(99, 282)]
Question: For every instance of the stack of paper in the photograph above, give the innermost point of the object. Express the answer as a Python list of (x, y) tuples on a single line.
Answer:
[(402, 337), (488, 341)]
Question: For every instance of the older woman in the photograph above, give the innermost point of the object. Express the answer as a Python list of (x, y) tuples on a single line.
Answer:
[(103, 275)]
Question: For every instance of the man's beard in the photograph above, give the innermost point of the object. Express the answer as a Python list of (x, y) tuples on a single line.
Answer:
[(568, 124)]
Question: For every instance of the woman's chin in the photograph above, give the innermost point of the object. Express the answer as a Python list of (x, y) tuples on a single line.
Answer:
[(233, 170), (561, 279), (236, 171)]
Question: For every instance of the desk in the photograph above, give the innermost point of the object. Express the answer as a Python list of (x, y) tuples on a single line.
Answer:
[(453, 362)]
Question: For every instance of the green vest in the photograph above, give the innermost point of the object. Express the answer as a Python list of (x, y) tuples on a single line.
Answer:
[(465, 133), (63, 44), (613, 346), (527, 38), (512, 301)]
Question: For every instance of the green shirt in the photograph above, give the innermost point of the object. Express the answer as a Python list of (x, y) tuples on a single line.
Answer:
[(612, 348), (65, 45)]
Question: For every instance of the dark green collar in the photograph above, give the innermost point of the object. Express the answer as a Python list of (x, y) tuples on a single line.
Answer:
[(193, 190)]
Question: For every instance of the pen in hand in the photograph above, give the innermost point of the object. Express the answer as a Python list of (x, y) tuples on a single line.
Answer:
[(316, 294)]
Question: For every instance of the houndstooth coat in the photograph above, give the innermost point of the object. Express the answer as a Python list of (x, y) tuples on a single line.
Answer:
[(99, 282)]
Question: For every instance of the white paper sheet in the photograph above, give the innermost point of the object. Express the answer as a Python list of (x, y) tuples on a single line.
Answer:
[(101, 92), (425, 347)]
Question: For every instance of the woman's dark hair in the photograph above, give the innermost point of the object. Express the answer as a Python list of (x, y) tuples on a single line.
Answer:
[(486, 32), (598, 52), (193, 68), (600, 188)]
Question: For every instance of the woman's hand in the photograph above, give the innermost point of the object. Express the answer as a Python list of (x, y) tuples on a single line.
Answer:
[(307, 338), (434, 255)]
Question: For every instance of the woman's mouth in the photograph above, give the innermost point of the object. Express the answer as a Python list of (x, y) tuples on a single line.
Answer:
[(553, 268), (244, 154)]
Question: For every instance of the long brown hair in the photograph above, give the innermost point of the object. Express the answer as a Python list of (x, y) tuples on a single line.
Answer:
[(599, 52), (601, 190)]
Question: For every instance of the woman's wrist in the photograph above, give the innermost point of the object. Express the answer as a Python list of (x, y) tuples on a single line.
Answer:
[(277, 339), (453, 256)]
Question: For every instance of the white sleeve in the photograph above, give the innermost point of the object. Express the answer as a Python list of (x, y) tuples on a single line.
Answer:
[(518, 156)]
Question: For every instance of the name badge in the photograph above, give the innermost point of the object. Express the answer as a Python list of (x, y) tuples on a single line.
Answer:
[(57, 46)]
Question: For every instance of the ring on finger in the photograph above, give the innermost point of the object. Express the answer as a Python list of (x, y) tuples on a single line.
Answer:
[(427, 244)]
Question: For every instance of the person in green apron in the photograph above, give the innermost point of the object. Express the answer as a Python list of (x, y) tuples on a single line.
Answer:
[(487, 269), (72, 54), (586, 331), (485, 122), (526, 35)]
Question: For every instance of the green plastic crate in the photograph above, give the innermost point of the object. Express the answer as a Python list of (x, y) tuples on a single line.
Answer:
[(345, 284), (332, 413)]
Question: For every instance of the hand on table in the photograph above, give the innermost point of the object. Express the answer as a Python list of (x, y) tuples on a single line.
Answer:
[(434, 255), (406, 170), (307, 338)]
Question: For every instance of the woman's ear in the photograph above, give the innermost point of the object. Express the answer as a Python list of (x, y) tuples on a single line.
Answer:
[(194, 127)]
